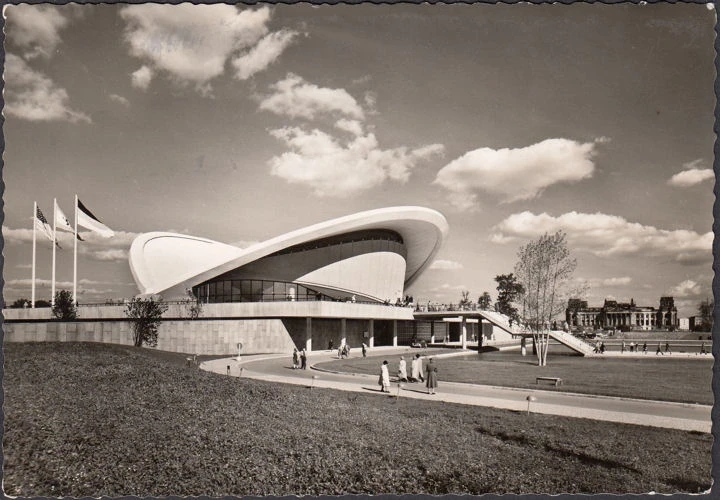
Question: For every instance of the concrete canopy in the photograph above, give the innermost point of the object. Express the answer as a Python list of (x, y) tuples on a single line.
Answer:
[(169, 264)]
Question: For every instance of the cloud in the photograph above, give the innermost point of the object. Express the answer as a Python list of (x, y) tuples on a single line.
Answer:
[(687, 288), (330, 168), (615, 281), (354, 127), (691, 175), (517, 174), (30, 95), (608, 236), (35, 28), (142, 77), (445, 265), (119, 99), (297, 98), (112, 254), (263, 54), (193, 43)]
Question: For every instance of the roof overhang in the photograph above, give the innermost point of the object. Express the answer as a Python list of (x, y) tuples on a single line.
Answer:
[(169, 263)]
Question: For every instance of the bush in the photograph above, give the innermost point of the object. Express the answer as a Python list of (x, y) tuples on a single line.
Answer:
[(145, 315), (64, 308)]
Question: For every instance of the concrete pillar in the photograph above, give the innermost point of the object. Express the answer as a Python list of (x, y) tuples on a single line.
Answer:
[(463, 332), (432, 331), (371, 332), (343, 331), (394, 323), (308, 334)]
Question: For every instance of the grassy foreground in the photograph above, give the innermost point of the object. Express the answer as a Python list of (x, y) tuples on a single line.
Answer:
[(661, 378), (97, 420)]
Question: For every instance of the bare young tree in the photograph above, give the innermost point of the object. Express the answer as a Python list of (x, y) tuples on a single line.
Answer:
[(545, 269)]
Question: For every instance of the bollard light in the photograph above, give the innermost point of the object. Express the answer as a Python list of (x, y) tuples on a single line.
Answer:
[(228, 369), (241, 370), (530, 399), (312, 384), (398, 392)]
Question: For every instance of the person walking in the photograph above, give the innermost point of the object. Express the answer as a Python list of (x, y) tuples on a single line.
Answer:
[(702, 349), (431, 382), (330, 345), (667, 348), (364, 350), (659, 351), (602, 347), (622, 347), (303, 359), (296, 359), (384, 380), (644, 347), (402, 370), (417, 369)]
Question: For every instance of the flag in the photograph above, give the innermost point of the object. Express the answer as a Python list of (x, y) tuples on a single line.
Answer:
[(42, 225), (86, 219), (62, 222)]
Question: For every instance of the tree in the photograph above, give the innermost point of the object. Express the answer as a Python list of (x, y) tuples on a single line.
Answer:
[(64, 308), (484, 301), (545, 269), (145, 316), (20, 303), (465, 301), (509, 290), (705, 311), (42, 303), (192, 306)]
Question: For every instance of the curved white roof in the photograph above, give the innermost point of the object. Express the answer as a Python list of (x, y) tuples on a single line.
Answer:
[(168, 263)]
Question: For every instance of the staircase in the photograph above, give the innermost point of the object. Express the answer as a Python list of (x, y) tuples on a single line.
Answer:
[(571, 341), (501, 321)]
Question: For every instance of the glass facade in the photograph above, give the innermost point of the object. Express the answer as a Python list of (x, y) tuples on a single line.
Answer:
[(254, 291)]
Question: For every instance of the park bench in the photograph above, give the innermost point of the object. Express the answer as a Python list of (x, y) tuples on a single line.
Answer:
[(191, 360), (556, 380)]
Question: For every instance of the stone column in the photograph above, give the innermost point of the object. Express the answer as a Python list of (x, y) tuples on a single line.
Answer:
[(308, 334), (343, 331), (371, 333), (394, 323), (463, 332)]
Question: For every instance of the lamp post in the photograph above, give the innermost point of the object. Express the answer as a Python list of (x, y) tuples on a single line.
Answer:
[(530, 399)]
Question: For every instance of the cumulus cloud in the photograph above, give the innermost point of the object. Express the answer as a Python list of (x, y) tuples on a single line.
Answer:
[(193, 43), (30, 95), (445, 265), (608, 235), (298, 98), (330, 168), (691, 175), (354, 127), (517, 174), (687, 288), (35, 29), (142, 77), (263, 54), (119, 99)]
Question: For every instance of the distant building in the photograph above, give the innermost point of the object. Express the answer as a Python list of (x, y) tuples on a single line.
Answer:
[(684, 324), (625, 315)]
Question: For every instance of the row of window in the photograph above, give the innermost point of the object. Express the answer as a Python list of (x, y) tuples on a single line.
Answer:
[(255, 291)]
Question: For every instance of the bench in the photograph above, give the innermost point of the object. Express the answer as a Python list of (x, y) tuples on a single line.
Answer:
[(556, 380)]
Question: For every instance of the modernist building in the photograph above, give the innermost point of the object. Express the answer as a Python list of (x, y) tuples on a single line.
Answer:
[(614, 314)]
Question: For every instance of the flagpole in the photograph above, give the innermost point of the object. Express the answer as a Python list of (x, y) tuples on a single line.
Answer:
[(52, 291), (75, 254), (33, 255)]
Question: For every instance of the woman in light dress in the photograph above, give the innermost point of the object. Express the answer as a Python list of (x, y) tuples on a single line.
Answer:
[(416, 369), (384, 380), (402, 370)]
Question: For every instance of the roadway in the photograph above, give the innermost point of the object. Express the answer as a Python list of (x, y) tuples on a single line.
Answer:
[(278, 368)]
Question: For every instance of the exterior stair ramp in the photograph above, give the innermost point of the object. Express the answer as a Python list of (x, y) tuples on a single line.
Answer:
[(571, 341), (501, 321)]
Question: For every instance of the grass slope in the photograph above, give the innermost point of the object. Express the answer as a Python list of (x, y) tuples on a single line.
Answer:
[(664, 379), (96, 420)]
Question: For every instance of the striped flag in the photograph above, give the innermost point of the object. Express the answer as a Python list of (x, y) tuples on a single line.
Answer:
[(42, 225), (62, 222), (86, 219)]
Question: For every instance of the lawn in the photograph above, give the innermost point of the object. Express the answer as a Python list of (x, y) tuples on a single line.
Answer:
[(665, 378), (102, 420)]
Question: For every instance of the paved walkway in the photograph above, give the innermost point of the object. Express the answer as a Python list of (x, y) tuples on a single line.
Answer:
[(278, 368)]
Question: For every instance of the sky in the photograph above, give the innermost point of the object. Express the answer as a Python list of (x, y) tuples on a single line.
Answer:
[(241, 123)]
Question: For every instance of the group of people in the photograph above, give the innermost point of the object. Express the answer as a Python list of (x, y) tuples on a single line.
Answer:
[(416, 373), (299, 359), (344, 349), (634, 347)]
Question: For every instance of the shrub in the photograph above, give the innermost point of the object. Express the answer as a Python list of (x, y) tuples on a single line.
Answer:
[(64, 308), (145, 316)]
